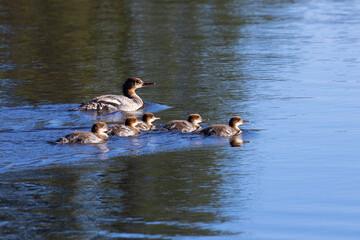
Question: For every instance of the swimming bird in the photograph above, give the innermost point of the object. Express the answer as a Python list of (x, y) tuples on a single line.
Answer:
[(146, 123), (191, 125), (97, 135), (125, 130), (225, 130), (130, 101)]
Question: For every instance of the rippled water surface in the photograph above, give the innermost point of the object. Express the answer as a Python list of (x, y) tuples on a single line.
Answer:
[(290, 67)]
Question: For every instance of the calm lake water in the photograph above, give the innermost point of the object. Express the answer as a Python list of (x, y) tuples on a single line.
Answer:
[(290, 67)]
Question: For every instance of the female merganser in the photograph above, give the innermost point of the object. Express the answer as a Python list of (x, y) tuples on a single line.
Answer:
[(146, 123), (190, 125), (129, 102), (127, 130), (225, 130), (97, 135)]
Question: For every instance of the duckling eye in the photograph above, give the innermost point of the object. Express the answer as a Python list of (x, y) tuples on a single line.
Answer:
[(138, 81)]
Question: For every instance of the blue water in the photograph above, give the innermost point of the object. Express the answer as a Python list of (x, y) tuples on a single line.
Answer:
[(290, 67)]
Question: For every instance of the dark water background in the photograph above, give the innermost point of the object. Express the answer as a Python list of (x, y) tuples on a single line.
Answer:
[(290, 67)]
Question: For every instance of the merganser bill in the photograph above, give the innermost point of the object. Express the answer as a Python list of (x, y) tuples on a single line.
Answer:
[(97, 135), (146, 123), (129, 102), (125, 130), (225, 130), (191, 125)]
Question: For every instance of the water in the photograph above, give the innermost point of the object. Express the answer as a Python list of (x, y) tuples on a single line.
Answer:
[(290, 67)]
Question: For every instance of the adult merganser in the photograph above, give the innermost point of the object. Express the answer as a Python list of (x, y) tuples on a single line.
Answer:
[(225, 130), (129, 102), (97, 135), (191, 125), (126, 130), (146, 123)]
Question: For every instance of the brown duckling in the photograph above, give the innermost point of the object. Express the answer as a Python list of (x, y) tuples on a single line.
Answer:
[(225, 130), (146, 123), (128, 129), (191, 125), (97, 135)]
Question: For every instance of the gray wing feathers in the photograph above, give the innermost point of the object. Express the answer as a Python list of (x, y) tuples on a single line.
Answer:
[(142, 126), (80, 137), (179, 125), (121, 130), (112, 102)]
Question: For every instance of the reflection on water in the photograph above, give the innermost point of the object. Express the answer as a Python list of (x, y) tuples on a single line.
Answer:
[(236, 141), (288, 66), (148, 196)]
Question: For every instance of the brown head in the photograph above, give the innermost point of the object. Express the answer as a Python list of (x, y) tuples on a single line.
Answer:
[(236, 121), (133, 83), (195, 119), (99, 128), (148, 118), (131, 121)]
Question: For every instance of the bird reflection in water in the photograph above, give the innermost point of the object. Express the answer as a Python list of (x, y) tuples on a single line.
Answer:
[(237, 141), (103, 149)]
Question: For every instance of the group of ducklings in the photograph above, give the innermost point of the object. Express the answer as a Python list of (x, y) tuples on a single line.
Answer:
[(100, 132), (129, 102)]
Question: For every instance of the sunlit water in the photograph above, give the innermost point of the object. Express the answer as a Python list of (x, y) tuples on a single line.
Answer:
[(290, 67)]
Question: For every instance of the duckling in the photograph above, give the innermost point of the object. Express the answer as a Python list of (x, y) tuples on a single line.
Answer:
[(128, 129), (97, 135), (225, 130), (146, 123), (191, 125)]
